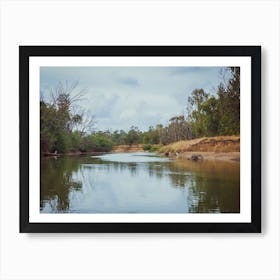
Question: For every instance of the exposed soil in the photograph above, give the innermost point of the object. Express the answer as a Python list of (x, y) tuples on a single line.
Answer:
[(225, 148), (128, 148)]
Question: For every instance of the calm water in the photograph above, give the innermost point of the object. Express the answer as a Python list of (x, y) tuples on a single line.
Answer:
[(138, 183)]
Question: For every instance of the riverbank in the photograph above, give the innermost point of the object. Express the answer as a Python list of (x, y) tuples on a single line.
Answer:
[(47, 154), (116, 149), (226, 148), (128, 148)]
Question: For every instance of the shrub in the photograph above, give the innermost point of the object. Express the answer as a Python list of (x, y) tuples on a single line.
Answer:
[(76, 141), (97, 143), (62, 143), (147, 147), (162, 149), (155, 148), (103, 144)]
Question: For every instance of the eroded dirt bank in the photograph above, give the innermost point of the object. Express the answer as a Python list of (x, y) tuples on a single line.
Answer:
[(225, 148), (128, 148)]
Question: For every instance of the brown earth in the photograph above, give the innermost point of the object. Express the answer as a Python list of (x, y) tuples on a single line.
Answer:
[(128, 148), (225, 148), (229, 156)]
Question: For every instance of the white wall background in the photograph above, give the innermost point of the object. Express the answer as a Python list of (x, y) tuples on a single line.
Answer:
[(142, 256)]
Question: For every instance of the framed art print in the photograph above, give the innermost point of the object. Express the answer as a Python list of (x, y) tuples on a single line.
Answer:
[(140, 138)]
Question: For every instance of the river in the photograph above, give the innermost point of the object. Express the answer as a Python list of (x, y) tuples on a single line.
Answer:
[(138, 183)]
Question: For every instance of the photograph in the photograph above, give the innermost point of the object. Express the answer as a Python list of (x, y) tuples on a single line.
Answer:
[(140, 139)]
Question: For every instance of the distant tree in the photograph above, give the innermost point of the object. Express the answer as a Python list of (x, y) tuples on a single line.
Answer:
[(179, 129), (133, 136), (197, 111)]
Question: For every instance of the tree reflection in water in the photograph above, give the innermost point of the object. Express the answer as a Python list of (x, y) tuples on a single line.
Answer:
[(206, 187), (213, 186), (57, 182)]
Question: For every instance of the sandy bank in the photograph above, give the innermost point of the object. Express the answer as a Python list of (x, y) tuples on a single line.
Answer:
[(128, 148), (230, 156), (226, 148)]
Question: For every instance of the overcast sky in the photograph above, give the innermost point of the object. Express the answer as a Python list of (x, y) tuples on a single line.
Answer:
[(120, 97)]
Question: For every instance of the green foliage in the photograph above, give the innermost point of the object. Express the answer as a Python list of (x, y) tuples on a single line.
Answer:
[(87, 144), (62, 143), (103, 143), (147, 147), (99, 142), (118, 137), (133, 136), (162, 149), (55, 126), (219, 114), (76, 141), (155, 148), (230, 104), (57, 122), (48, 126)]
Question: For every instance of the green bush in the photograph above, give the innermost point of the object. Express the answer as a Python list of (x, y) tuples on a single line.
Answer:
[(155, 148), (147, 147), (76, 141), (62, 143), (97, 143), (103, 144), (162, 149)]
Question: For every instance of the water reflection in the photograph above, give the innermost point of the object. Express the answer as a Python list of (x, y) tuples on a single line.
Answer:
[(56, 183), (138, 183)]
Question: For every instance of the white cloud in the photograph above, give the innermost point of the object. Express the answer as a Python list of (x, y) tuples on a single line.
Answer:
[(120, 97)]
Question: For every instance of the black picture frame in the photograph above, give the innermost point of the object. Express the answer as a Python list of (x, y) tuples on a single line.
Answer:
[(254, 52)]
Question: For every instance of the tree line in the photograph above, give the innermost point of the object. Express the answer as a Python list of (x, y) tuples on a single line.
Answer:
[(219, 114), (65, 127)]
